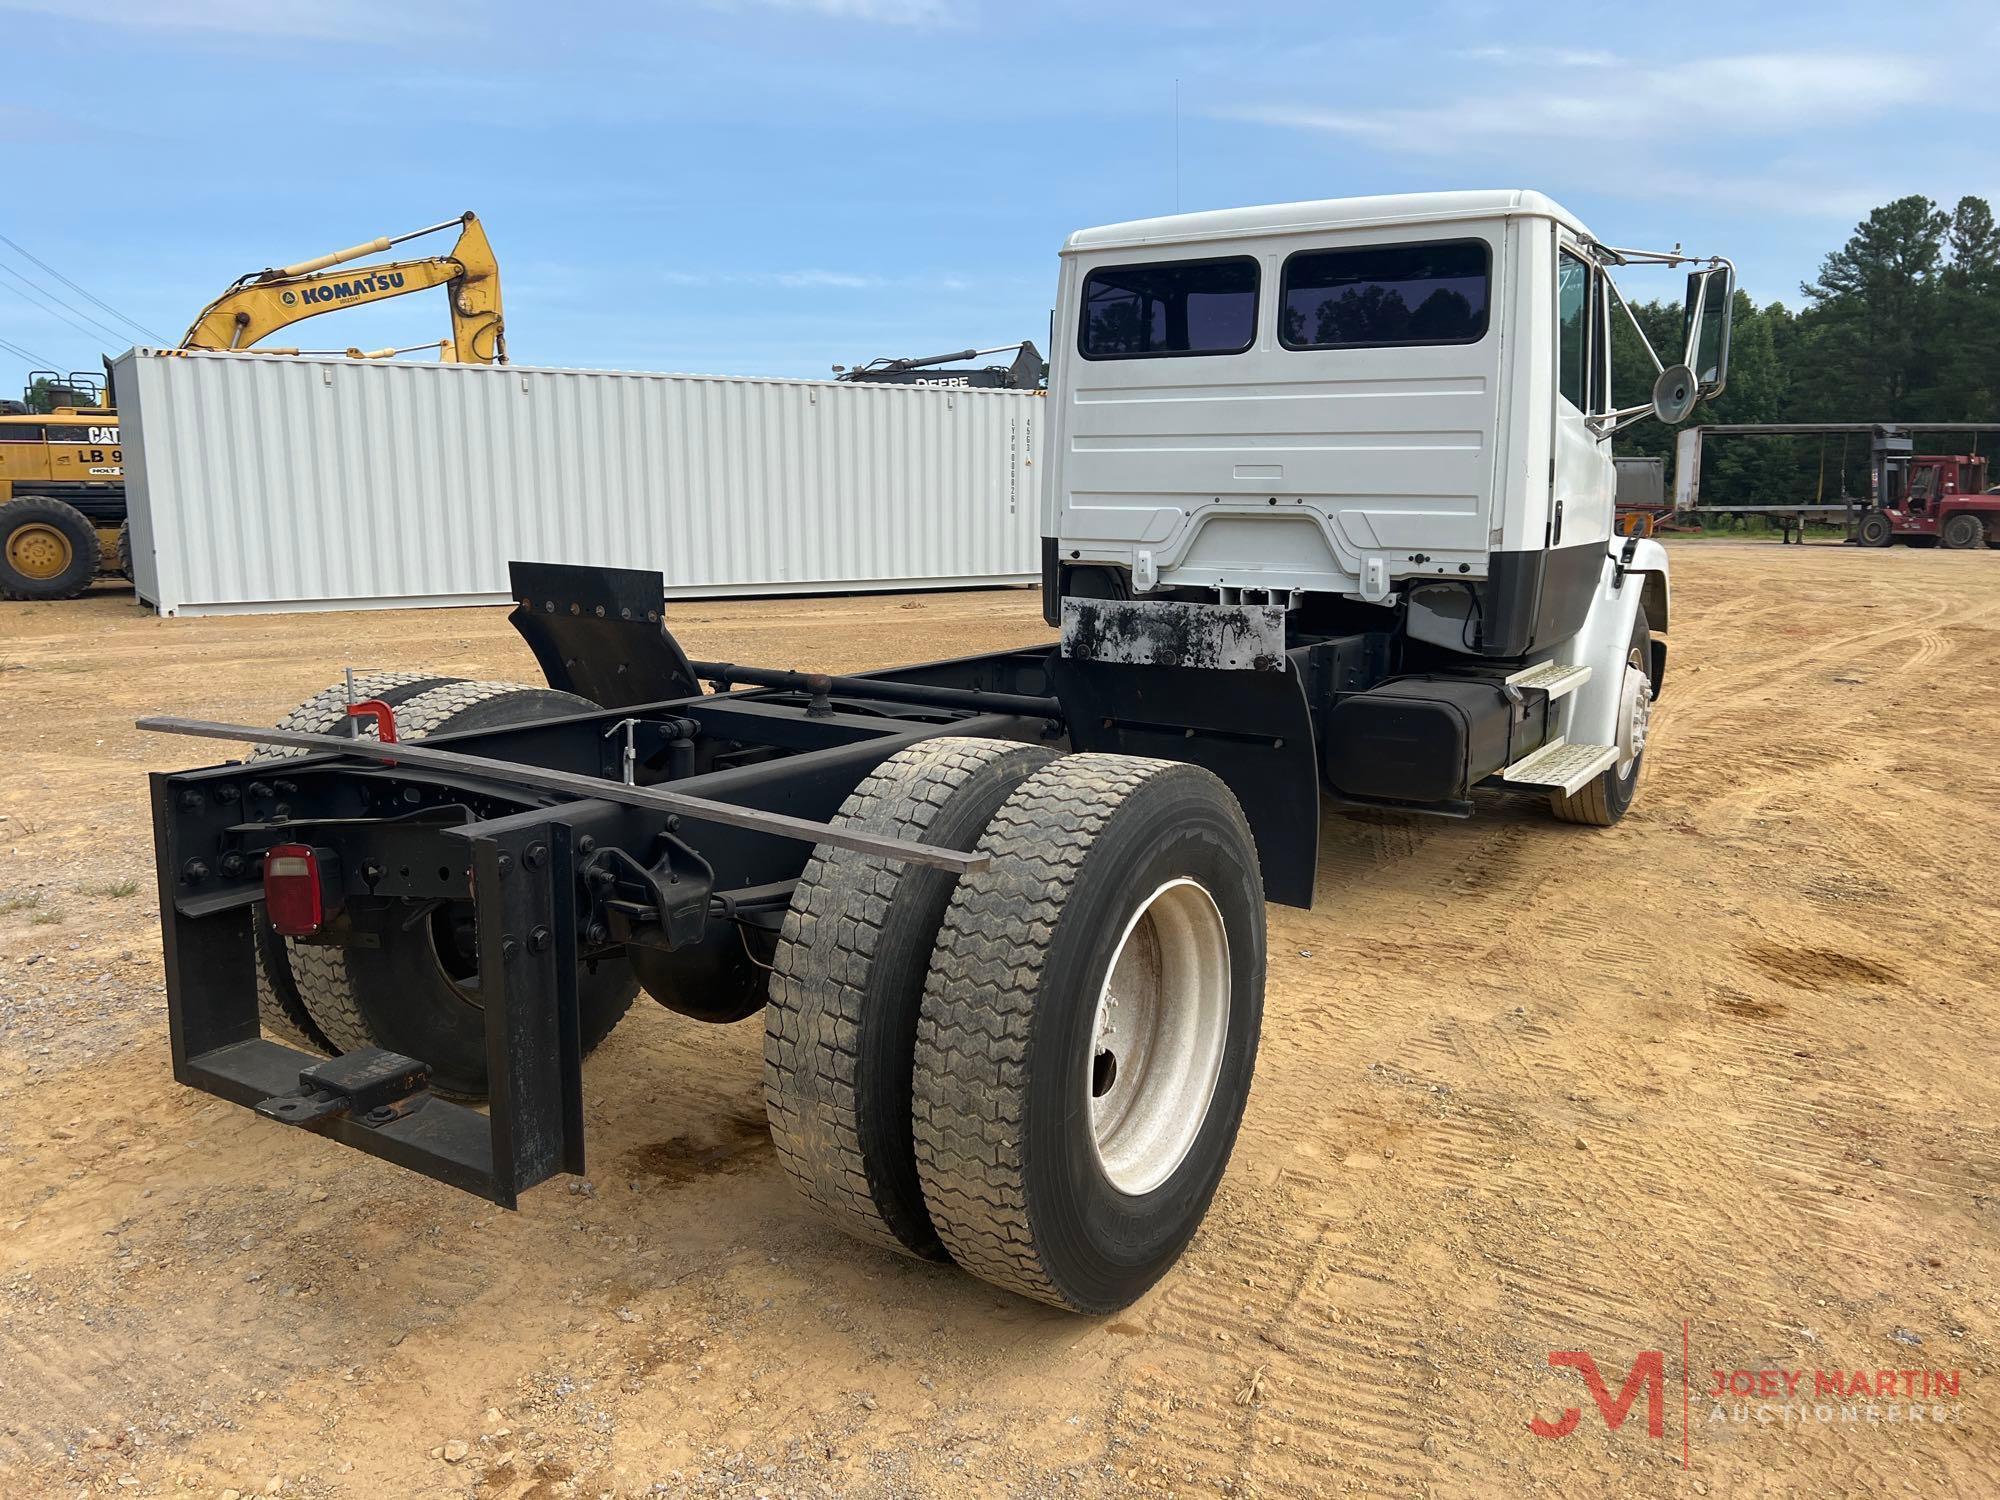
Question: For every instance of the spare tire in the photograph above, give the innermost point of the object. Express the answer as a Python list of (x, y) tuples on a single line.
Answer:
[(417, 992), (279, 1006)]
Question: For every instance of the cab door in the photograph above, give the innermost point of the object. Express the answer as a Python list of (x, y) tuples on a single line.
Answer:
[(1583, 483)]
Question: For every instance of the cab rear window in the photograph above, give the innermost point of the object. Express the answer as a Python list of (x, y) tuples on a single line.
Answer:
[(1374, 296), (1169, 307)]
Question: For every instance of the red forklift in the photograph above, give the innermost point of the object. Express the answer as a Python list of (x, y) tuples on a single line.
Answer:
[(1928, 499)]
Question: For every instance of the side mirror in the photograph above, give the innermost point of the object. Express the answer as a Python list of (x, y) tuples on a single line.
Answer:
[(1709, 310)]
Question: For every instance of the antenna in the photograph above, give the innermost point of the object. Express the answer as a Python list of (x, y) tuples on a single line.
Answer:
[(1177, 145)]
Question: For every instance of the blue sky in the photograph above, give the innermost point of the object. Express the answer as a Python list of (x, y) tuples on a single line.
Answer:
[(770, 186)]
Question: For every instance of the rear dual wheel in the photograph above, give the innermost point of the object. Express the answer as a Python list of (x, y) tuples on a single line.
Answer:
[(847, 981), (1081, 1052)]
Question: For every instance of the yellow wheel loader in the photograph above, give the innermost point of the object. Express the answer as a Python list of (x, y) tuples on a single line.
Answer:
[(62, 470)]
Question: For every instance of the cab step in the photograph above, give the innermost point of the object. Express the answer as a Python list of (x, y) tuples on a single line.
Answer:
[(1561, 766), (1552, 677)]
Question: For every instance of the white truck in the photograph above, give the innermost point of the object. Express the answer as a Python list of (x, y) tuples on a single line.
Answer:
[(1328, 522)]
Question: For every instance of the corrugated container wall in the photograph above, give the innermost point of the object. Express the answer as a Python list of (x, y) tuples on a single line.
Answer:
[(271, 482)]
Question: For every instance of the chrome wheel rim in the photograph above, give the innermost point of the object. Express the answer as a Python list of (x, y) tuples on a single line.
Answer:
[(1637, 717), (1158, 1037)]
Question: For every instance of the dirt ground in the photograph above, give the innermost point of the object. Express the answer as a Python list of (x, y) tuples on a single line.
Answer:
[(1726, 1070)]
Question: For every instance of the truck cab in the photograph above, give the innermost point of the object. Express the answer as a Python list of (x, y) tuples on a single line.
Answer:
[(1382, 420)]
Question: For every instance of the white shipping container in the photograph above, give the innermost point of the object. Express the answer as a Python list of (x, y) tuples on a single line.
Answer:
[(275, 482)]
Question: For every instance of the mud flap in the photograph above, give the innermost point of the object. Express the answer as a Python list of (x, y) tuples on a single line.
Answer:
[(1251, 728), (599, 633)]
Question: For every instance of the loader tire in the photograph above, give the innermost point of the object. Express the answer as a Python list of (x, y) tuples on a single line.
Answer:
[(1607, 796), (1963, 532), (1089, 1029), (847, 981), (417, 992), (48, 549), (125, 552), (279, 1006)]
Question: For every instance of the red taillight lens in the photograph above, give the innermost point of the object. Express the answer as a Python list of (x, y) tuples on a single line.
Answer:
[(292, 893)]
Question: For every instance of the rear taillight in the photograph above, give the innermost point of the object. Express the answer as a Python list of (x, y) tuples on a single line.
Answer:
[(293, 896)]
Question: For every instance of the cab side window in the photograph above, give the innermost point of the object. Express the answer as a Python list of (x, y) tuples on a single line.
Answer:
[(1573, 320)]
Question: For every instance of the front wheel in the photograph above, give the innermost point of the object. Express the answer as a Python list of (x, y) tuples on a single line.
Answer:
[(48, 549), (1607, 797), (1875, 530), (1089, 1029)]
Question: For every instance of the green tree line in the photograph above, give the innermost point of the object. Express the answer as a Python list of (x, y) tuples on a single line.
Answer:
[(1902, 324)]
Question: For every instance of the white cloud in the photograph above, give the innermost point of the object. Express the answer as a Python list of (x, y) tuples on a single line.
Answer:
[(1552, 57), (1681, 105), (336, 20), (1654, 120), (874, 12), (813, 279)]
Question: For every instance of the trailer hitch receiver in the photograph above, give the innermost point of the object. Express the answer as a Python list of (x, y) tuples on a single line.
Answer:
[(370, 1086)]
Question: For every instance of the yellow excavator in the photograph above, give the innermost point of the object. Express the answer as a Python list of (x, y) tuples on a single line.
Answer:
[(258, 305), (62, 476)]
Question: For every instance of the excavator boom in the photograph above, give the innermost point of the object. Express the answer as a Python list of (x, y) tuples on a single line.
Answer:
[(260, 304)]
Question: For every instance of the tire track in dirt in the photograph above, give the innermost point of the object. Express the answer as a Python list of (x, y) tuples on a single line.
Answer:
[(1408, 1227)]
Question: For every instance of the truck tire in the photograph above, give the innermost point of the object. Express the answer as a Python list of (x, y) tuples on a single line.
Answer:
[(847, 982), (1875, 530), (48, 549), (1605, 799), (1963, 532), (1089, 1029), (279, 1007), (416, 993)]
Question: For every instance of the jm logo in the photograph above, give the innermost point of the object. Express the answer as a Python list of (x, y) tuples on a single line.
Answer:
[(1648, 1373)]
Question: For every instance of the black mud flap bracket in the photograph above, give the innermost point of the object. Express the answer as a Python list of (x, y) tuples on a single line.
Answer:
[(526, 885), (598, 632), (1250, 727)]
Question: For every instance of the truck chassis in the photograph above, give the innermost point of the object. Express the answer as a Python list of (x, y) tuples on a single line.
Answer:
[(670, 829)]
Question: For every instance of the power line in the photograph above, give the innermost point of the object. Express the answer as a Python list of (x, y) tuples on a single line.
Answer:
[(28, 354), (88, 297), (48, 305)]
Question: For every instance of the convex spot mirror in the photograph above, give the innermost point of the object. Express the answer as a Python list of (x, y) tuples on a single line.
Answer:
[(1674, 394), (1708, 311)]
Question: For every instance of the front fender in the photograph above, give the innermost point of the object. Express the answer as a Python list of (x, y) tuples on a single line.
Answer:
[(1592, 714)]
